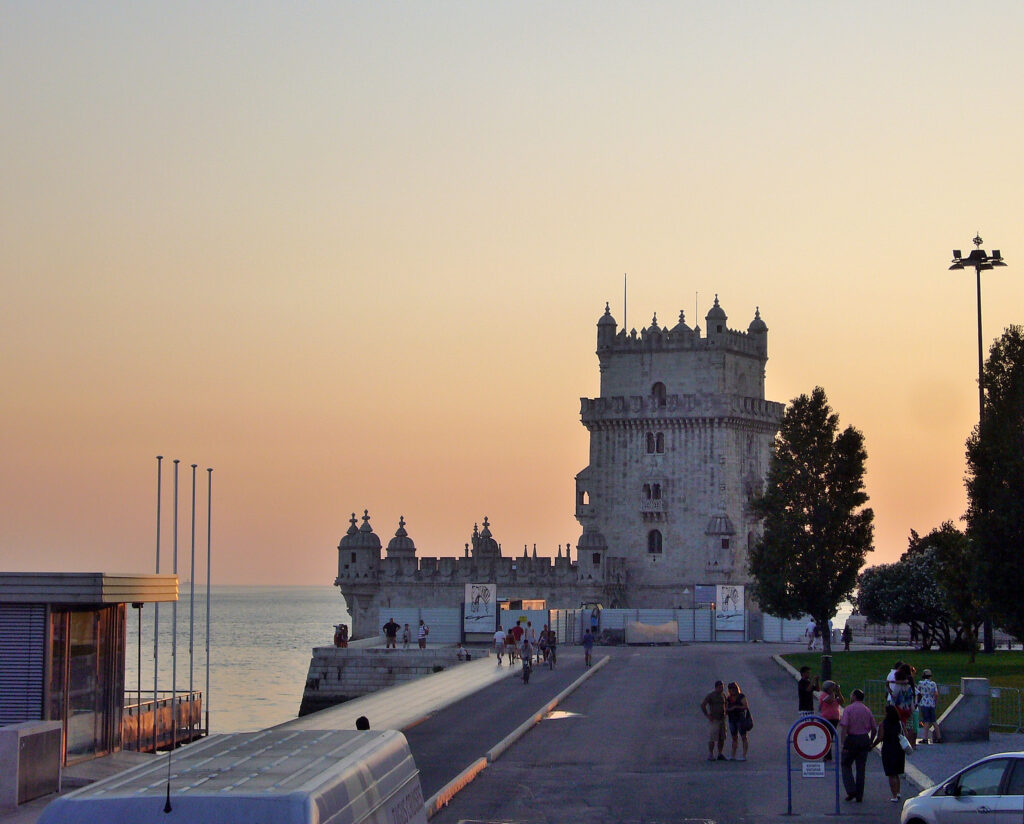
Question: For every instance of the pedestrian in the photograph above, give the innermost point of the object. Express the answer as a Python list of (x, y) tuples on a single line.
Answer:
[(713, 707), (406, 637), (889, 680), (588, 646), (809, 634), (510, 647), (517, 635), (499, 644), (737, 709), (552, 648), (927, 698), (805, 688), (901, 690), (893, 757), (421, 634), (847, 636), (390, 634), (830, 707), (858, 729), (527, 656), (531, 633), (817, 637), (462, 653)]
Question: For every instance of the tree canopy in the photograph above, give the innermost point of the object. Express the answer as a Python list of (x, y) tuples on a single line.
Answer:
[(817, 531), (995, 483), (932, 588)]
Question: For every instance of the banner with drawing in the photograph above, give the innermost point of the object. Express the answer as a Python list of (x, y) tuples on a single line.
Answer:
[(481, 612), (729, 608)]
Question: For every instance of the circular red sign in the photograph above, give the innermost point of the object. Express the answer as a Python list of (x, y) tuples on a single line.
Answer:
[(812, 739)]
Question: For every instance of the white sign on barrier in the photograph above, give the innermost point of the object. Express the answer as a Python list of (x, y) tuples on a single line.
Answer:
[(481, 613), (814, 769)]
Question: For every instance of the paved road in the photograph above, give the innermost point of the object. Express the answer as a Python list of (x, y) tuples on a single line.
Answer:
[(450, 739), (630, 746)]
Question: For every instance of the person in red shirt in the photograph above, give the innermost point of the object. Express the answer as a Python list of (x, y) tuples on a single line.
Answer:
[(517, 633)]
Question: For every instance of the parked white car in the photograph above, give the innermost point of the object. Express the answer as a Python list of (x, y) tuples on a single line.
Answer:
[(990, 790)]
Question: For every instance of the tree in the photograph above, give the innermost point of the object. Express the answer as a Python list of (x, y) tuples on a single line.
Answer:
[(932, 588), (817, 531), (995, 483)]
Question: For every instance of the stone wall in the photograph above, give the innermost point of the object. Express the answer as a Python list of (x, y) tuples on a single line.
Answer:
[(339, 674)]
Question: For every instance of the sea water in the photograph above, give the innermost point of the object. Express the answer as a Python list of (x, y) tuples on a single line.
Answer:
[(261, 641)]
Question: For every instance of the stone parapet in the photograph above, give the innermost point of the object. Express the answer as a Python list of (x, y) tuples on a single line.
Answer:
[(678, 409)]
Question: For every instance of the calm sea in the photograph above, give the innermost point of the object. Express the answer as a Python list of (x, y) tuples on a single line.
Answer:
[(260, 646)]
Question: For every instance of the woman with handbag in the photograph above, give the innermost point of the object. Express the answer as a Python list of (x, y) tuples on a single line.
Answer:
[(894, 762), (738, 712)]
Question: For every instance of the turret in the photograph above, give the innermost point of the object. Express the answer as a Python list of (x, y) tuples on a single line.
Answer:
[(401, 546), (758, 331), (591, 550), (606, 327), (361, 549), (484, 545), (715, 319)]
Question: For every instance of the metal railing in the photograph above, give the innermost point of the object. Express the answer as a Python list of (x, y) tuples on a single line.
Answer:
[(1006, 709), (148, 725)]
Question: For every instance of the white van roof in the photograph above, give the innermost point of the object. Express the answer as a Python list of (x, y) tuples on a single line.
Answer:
[(284, 776)]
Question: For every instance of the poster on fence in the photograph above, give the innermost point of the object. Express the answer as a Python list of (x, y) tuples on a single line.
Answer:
[(481, 612), (729, 608)]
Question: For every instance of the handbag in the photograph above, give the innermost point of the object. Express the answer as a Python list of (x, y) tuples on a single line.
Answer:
[(747, 724), (905, 744)]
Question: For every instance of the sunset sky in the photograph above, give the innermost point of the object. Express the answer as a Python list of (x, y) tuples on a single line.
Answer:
[(352, 255)]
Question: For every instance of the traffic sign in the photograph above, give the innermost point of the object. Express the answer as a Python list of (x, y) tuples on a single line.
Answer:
[(812, 739)]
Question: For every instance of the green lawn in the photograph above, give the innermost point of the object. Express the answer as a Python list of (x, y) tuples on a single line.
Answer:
[(867, 671), (853, 669)]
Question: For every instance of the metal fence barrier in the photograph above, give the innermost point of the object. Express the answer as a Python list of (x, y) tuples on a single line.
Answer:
[(1006, 711)]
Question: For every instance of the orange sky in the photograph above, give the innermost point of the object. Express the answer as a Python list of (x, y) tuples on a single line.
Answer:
[(352, 257)]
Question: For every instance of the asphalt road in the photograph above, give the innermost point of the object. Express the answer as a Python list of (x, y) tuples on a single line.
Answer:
[(448, 741), (630, 746)]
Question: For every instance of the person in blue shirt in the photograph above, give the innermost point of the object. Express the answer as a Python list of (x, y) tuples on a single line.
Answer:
[(588, 646)]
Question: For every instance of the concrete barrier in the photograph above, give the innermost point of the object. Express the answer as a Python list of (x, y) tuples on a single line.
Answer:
[(967, 718)]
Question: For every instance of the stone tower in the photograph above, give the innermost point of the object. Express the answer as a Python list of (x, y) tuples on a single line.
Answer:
[(680, 439)]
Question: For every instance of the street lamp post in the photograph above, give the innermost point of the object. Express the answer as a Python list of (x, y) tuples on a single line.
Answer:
[(979, 261)]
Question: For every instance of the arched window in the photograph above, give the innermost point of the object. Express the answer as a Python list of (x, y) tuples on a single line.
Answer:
[(647, 492), (656, 492), (659, 442), (596, 557), (650, 443), (654, 542), (658, 392)]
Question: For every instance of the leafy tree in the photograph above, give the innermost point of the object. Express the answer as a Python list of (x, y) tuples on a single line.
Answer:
[(956, 577), (817, 531), (932, 588), (995, 483)]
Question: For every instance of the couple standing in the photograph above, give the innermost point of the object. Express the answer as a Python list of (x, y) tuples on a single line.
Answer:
[(727, 704)]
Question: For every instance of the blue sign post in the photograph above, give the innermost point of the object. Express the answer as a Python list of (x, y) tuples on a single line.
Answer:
[(812, 737)]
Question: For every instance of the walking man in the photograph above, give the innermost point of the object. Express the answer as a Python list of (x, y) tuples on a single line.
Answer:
[(588, 646), (857, 728), (713, 707), (421, 634)]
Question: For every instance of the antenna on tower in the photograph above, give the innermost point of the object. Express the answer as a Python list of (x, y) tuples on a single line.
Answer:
[(624, 324)]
